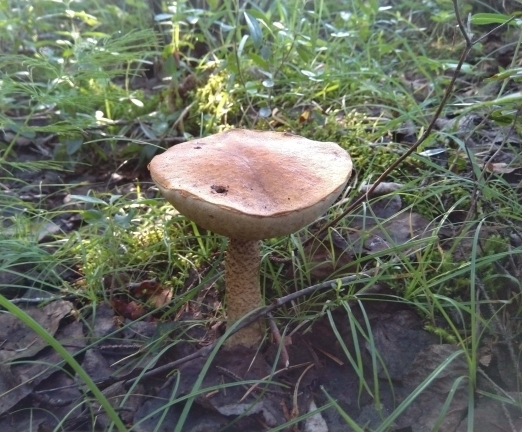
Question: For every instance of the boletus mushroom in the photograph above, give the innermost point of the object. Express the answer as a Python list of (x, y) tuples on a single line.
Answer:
[(248, 186)]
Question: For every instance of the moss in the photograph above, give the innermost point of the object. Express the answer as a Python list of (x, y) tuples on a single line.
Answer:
[(150, 248), (495, 244), (354, 133), (443, 334), (459, 286), (215, 104)]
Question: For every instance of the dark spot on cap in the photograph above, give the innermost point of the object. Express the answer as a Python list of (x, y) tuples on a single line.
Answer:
[(219, 189)]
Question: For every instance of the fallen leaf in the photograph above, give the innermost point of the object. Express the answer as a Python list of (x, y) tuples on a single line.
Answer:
[(424, 412), (491, 415), (304, 117), (161, 298), (500, 168), (116, 394), (316, 422), (17, 381), (398, 339), (19, 340)]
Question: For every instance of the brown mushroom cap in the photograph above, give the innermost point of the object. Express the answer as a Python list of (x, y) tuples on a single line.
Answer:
[(252, 185)]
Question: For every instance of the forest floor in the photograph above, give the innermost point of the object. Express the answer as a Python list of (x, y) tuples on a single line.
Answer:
[(399, 310)]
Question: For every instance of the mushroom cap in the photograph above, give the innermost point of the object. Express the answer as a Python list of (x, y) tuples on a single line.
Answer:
[(252, 185)]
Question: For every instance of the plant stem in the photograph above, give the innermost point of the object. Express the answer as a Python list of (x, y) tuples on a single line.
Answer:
[(243, 293)]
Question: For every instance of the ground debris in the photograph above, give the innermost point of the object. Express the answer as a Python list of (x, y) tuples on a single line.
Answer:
[(399, 338), (46, 367), (493, 415), (427, 410)]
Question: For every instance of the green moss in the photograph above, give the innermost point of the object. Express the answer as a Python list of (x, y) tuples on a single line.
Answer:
[(352, 132), (150, 247), (496, 244), (443, 334), (487, 271), (215, 104)]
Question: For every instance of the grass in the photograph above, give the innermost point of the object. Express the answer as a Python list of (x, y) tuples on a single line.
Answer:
[(81, 76)]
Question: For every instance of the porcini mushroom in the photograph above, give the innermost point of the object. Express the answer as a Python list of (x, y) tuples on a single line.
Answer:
[(249, 186)]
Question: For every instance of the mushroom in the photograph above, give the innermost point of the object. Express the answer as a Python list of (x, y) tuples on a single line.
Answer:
[(248, 186)]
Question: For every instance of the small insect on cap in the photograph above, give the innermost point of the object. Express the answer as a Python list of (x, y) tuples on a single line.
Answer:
[(252, 185)]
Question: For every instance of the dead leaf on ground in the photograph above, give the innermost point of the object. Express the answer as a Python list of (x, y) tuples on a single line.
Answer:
[(371, 236), (424, 412), (97, 365), (140, 297), (333, 252), (19, 379), (491, 415), (103, 321), (316, 422), (500, 168), (123, 352), (214, 409), (19, 341), (115, 394), (243, 364), (503, 367), (398, 339), (151, 416), (58, 396), (24, 420)]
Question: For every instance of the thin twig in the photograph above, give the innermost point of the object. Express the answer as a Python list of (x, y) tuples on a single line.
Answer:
[(254, 387), (252, 317), (270, 376), (284, 359), (295, 405)]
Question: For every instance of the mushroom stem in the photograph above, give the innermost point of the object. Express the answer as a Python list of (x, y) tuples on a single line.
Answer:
[(243, 294)]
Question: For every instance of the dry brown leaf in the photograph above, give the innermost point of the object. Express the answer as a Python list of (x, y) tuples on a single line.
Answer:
[(500, 168)]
